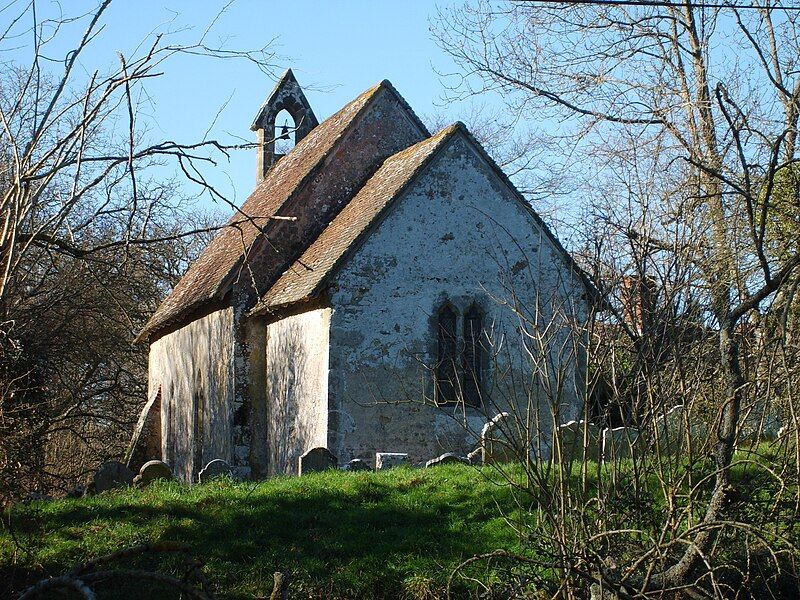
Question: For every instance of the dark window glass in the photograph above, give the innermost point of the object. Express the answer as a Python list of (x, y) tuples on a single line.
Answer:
[(446, 372), (473, 356)]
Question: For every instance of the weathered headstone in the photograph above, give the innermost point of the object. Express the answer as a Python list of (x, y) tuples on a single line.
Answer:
[(215, 468), (388, 460), (620, 443), (497, 444), (448, 458), (36, 497), (316, 460), (670, 431), (152, 470), (79, 491), (357, 465), (772, 425), (580, 439), (474, 457), (112, 474)]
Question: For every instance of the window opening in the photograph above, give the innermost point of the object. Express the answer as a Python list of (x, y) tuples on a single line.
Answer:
[(446, 373), (472, 358), (284, 133)]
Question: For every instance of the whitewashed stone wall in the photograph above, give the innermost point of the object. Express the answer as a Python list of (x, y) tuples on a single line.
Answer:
[(296, 387), (457, 234), (193, 366)]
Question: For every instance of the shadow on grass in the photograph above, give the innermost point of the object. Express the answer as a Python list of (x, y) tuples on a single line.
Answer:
[(360, 539)]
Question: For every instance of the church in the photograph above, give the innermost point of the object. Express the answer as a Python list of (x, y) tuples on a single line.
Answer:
[(381, 290)]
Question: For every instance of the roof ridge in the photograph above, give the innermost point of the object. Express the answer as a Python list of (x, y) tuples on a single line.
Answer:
[(388, 84), (308, 274), (367, 96), (287, 76)]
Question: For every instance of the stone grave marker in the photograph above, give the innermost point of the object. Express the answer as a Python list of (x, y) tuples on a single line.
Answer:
[(215, 468), (316, 460), (152, 470), (388, 460), (572, 441), (497, 444), (448, 458), (620, 443), (112, 474), (357, 465)]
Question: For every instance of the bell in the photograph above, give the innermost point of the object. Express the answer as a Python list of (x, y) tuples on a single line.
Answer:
[(284, 132)]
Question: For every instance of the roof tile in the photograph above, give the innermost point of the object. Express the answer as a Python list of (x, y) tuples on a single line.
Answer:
[(305, 275), (209, 277)]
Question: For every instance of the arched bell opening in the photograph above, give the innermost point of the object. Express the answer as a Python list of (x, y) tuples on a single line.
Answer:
[(285, 131)]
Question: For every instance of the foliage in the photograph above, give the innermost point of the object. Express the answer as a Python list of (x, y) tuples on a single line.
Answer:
[(99, 218)]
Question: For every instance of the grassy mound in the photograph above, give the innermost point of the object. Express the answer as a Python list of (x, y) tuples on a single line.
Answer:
[(400, 533), (393, 534)]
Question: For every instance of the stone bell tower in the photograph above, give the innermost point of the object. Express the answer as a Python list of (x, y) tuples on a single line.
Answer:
[(287, 95)]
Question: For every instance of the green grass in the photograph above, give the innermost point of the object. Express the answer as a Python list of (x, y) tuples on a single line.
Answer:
[(391, 534)]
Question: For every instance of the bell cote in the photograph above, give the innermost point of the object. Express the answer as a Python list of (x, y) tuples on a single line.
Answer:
[(289, 97)]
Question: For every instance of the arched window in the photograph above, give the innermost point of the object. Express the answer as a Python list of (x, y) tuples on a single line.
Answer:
[(472, 358), (446, 372), (284, 132)]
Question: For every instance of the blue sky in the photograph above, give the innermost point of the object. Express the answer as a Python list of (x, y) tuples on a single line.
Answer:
[(336, 50)]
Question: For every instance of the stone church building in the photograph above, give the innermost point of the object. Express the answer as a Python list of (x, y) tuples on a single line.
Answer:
[(376, 292)]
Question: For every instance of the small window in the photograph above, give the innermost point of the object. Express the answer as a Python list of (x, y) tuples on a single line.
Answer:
[(446, 371), (472, 358)]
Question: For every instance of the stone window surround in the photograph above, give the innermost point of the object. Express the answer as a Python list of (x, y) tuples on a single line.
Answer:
[(460, 307)]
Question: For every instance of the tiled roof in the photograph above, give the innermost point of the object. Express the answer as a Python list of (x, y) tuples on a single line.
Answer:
[(307, 275), (211, 275), (304, 277)]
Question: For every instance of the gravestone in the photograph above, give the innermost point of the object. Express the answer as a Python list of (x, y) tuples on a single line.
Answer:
[(388, 460), (572, 441), (448, 458), (215, 468), (357, 465), (620, 443), (110, 475), (671, 431), (474, 457), (79, 491), (152, 470), (497, 444), (316, 460)]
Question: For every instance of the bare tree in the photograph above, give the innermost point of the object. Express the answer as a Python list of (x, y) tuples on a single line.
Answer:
[(707, 100), (97, 218)]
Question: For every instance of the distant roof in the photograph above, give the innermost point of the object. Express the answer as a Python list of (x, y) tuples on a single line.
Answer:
[(305, 276), (210, 277)]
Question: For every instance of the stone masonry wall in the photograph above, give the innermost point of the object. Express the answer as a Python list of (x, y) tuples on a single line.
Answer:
[(296, 387), (193, 366), (458, 235)]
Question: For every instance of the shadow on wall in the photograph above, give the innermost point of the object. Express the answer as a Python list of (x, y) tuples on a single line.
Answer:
[(296, 393)]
